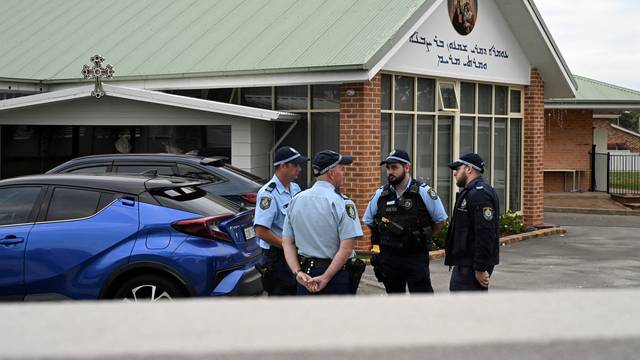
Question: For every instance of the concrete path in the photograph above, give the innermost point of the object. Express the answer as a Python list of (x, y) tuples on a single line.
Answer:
[(599, 251)]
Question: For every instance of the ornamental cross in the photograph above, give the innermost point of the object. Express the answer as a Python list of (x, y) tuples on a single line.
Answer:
[(97, 72)]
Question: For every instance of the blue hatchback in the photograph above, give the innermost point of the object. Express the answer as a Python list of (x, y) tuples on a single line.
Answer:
[(122, 237)]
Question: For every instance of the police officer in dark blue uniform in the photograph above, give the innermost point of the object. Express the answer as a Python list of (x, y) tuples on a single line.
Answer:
[(472, 246), (402, 216)]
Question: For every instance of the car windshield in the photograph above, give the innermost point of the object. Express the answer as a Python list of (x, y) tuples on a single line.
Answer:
[(195, 200)]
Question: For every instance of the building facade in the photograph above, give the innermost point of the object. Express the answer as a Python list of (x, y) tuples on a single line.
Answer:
[(436, 78)]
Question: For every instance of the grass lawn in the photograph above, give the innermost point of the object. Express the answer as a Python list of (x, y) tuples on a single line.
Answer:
[(624, 180)]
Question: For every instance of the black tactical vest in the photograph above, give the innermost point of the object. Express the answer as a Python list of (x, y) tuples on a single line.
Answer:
[(402, 224)]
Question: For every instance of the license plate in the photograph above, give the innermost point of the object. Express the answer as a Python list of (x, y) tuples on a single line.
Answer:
[(249, 233)]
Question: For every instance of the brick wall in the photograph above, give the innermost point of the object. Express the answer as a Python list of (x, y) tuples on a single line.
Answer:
[(360, 138), (533, 182), (568, 140)]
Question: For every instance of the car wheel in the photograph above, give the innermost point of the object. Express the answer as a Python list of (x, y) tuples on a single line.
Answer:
[(149, 288)]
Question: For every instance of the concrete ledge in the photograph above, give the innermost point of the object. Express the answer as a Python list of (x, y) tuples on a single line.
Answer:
[(519, 325), (592, 211)]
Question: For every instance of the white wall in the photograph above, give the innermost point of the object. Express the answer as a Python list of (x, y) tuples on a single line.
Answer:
[(420, 54)]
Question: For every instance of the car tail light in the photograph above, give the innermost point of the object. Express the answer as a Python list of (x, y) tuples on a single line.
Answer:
[(250, 198), (206, 227)]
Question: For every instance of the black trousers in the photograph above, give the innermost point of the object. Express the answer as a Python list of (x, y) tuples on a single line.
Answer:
[(402, 271), (463, 278), (277, 278)]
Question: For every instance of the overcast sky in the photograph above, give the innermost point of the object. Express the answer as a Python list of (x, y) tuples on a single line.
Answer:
[(599, 39)]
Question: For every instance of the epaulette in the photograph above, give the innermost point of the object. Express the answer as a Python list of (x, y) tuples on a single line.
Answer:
[(270, 187), (385, 189), (415, 187)]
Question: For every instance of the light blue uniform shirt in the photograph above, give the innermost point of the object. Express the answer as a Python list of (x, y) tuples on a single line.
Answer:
[(271, 206), (434, 206), (319, 218)]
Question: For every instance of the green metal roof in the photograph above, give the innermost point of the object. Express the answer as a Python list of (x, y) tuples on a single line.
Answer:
[(594, 91), (50, 40)]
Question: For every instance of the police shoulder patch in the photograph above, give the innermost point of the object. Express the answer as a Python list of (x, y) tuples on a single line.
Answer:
[(432, 194), (487, 213), (351, 211), (265, 202)]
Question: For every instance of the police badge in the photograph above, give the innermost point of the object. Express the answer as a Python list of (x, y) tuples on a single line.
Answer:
[(487, 213), (265, 202), (432, 194), (351, 211)]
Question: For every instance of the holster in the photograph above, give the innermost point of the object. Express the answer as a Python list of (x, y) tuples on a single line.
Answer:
[(355, 267)]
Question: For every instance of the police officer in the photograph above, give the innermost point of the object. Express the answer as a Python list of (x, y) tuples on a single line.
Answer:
[(321, 229), (472, 241), (272, 202), (403, 215)]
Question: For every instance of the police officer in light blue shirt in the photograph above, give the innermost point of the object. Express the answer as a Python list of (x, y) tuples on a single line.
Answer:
[(403, 215), (272, 202), (321, 227)]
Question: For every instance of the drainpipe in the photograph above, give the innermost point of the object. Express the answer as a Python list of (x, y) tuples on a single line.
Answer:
[(275, 146)]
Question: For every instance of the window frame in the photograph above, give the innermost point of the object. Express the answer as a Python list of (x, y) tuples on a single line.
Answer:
[(46, 203)]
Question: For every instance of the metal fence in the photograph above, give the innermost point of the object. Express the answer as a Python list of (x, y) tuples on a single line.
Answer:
[(623, 174)]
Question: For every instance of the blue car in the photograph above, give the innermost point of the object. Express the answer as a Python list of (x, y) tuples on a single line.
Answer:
[(122, 237)]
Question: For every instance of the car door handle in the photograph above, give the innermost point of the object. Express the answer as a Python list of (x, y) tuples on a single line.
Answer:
[(11, 240)]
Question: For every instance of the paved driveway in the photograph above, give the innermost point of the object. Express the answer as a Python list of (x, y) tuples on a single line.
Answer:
[(599, 251)]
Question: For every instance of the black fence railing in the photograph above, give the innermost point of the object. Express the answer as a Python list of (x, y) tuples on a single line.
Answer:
[(623, 174)]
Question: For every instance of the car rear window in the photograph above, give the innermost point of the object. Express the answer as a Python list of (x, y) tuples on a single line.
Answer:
[(194, 200)]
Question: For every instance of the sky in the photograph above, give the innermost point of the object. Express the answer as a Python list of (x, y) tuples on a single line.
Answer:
[(599, 39)]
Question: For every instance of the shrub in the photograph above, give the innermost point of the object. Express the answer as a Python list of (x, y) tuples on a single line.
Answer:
[(511, 223)]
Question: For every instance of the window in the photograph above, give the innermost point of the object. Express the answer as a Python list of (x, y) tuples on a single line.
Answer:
[(385, 142), (403, 130), (403, 93), (17, 203), (485, 118), (468, 98), (385, 95), (500, 160), (515, 105), (443, 184), (90, 170), (466, 135), (426, 95), (485, 99), (448, 99), (291, 97), (68, 204), (196, 173), (259, 97), (501, 100), (515, 166), (326, 97), (166, 170), (325, 132), (424, 152)]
